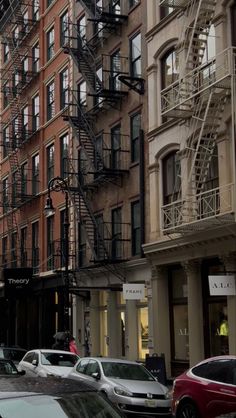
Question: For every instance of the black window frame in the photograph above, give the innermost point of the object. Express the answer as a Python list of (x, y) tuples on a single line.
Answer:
[(135, 228), (35, 246), (35, 113), (173, 159), (50, 43), (116, 215), (64, 155), (35, 174), (50, 161), (64, 28), (135, 138), (138, 58), (64, 88), (35, 57), (50, 100)]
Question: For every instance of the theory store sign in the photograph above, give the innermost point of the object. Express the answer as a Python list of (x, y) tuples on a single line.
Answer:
[(223, 285), (17, 281)]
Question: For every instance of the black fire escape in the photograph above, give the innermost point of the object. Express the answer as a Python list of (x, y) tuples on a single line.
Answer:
[(103, 159), (16, 26)]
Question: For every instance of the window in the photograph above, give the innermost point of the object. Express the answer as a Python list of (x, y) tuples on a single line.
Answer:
[(50, 100), (81, 27), (35, 174), (50, 43), (82, 246), (25, 23), (169, 68), (16, 134), (135, 228), (5, 194), (35, 113), (50, 243), (115, 147), (4, 252), (6, 141), (135, 56), (15, 82), (23, 247), (135, 126), (25, 123), (133, 3), (35, 246), (64, 88), (98, 153), (165, 11), (82, 92), (209, 202), (98, 81), (64, 28), (179, 314), (24, 170), (115, 7), (35, 58), (25, 69), (15, 36), (63, 241), (64, 155), (171, 178), (14, 249), (35, 9), (116, 233), (99, 237), (6, 52), (6, 90), (115, 70), (98, 26), (50, 162)]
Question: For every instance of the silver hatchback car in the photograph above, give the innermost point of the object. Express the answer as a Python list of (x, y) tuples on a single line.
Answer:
[(128, 384)]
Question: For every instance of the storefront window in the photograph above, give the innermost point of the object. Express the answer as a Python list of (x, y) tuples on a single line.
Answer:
[(218, 326), (143, 332)]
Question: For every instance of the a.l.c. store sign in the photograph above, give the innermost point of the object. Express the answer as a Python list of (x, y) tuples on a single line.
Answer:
[(223, 285)]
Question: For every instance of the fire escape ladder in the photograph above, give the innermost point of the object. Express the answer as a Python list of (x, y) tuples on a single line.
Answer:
[(206, 140), (194, 37), (91, 7)]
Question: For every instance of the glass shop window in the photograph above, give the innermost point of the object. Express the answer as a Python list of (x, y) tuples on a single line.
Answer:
[(143, 332)]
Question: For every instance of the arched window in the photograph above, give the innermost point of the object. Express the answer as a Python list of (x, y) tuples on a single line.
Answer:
[(169, 68), (171, 177)]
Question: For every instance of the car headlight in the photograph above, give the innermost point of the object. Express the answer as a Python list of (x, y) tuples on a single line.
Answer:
[(122, 391), (169, 394)]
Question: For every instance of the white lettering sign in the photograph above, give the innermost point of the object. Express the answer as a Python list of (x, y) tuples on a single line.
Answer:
[(222, 285), (18, 281), (133, 291)]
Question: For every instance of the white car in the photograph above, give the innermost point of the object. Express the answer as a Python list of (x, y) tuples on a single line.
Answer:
[(128, 384), (43, 362)]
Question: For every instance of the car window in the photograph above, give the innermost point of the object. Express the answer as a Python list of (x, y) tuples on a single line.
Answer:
[(82, 366), (223, 371), (13, 354), (126, 371), (92, 367), (58, 359), (29, 357), (36, 357), (7, 368), (78, 405)]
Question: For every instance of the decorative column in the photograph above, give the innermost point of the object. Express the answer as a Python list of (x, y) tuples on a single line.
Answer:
[(95, 323), (161, 320), (229, 261), (113, 326), (195, 311), (131, 330)]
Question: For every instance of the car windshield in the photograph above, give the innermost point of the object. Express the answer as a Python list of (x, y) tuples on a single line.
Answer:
[(58, 359), (126, 371), (76, 405)]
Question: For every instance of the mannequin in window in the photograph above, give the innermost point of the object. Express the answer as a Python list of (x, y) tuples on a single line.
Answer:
[(224, 333)]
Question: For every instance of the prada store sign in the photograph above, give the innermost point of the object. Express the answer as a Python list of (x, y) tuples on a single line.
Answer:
[(223, 285), (17, 281)]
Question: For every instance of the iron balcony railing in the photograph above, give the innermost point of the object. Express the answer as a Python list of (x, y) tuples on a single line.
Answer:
[(177, 100), (194, 211)]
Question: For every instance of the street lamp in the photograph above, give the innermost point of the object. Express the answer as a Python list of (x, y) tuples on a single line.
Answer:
[(58, 184)]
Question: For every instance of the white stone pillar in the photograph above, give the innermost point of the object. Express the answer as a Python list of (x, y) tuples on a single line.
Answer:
[(113, 326), (161, 319), (195, 312), (229, 261), (131, 330), (95, 323)]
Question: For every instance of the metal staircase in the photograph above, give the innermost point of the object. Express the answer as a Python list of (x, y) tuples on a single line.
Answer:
[(198, 99)]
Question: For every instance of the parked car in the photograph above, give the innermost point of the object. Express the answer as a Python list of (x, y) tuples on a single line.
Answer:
[(206, 390), (43, 362), (8, 368), (12, 353), (54, 397), (128, 384)]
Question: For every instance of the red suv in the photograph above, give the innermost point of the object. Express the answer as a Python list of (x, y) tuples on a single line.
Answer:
[(207, 390)]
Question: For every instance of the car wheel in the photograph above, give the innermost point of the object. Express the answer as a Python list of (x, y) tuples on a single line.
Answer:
[(187, 410)]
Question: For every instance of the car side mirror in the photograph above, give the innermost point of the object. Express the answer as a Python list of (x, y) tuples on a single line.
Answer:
[(35, 362), (96, 375), (21, 372)]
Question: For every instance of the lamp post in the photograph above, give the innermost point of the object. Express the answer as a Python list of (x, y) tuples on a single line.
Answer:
[(58, 184)]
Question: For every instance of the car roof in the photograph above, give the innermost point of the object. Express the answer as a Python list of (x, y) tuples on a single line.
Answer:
[(45, 350), (6, 347), (111, 360), (19, 386), (222, 357)]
